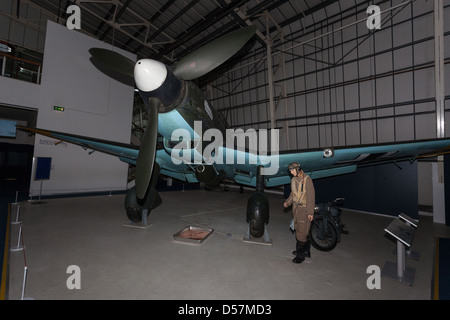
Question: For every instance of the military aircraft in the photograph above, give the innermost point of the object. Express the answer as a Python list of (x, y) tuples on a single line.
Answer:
[(175, 103)]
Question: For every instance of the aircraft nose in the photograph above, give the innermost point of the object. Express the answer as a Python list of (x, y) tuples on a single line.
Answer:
[(149, 74)]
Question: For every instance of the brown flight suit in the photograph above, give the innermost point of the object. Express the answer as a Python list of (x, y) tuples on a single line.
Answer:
[(303, 200)]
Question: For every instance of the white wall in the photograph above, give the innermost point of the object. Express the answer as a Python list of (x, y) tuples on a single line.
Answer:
[(95, 105), (17, 92)]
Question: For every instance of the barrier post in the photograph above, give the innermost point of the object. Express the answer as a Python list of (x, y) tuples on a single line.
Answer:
[(19, 246), (17, 214)]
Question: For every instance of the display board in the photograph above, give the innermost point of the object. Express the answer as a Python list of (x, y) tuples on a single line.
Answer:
[(43, 166)]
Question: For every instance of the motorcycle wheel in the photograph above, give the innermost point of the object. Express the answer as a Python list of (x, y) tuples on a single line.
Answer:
[(323, 237)]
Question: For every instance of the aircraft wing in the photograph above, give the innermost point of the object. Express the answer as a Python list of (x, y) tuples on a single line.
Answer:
[(329, 162), (318, 163), (125, 152)]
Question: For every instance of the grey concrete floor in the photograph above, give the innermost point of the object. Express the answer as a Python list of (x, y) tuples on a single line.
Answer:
[(120, 262)]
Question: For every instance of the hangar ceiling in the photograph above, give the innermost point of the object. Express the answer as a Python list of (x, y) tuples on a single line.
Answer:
[(340, 82), (169, 29)]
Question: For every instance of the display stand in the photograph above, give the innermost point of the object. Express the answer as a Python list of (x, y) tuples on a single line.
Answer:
[(414, 224), (403, 234), (143, 224), (265, 239), (408, 220)]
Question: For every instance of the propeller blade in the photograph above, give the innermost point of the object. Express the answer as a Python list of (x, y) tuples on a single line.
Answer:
[(113, 61), (213, 54), (147, 152)]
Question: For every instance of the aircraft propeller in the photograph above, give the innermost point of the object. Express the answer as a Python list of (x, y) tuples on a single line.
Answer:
[(150, 75), (147, 152)]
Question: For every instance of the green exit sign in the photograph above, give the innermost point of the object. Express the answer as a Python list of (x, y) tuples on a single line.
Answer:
[(57, 108)]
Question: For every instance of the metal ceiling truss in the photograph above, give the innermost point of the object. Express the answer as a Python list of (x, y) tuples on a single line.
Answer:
[(170, 29), (113, 24), (121, 22)]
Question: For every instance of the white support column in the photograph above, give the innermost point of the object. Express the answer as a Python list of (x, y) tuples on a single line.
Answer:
[(439, 66)]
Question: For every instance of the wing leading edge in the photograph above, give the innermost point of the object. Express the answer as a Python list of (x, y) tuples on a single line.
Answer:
[(329, 162), (317, 163), (125, 152)]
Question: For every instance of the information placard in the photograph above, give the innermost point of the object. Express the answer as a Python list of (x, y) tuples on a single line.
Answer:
[(43, 165)]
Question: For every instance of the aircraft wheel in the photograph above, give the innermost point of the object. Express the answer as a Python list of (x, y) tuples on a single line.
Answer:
[(135, 214), (256, 229)]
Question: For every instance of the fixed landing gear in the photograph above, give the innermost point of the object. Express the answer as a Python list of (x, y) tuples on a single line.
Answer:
[(258, 211)]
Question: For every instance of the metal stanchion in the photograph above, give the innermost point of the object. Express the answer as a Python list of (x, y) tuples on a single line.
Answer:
[(19, 246), (17, 196), (24, 281), (25, 274), (18, 221)]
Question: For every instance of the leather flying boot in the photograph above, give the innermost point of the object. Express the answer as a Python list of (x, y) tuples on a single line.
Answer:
[(307, 251), (300, 256), (308, 248)]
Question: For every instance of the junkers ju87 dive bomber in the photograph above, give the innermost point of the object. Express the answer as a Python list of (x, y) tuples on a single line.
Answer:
[(199, 147)]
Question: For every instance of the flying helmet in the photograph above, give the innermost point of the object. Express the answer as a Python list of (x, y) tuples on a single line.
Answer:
[(294, 165)]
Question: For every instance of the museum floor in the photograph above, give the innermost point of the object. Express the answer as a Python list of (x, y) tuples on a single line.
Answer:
[(117, 261)]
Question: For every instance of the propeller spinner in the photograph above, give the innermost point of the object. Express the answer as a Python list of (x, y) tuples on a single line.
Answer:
[(149, 74)]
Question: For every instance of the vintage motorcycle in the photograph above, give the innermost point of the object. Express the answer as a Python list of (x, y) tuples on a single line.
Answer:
[(326, 227)]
